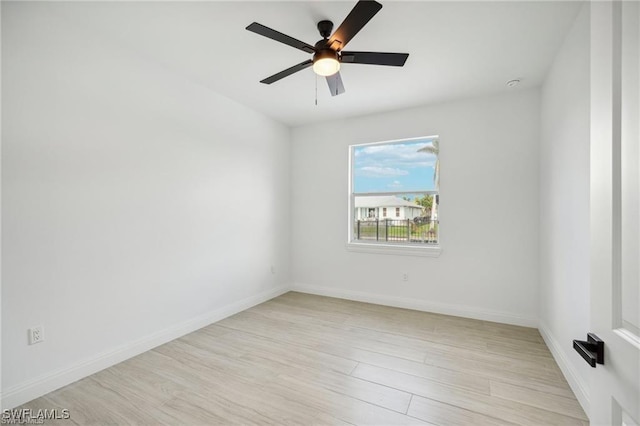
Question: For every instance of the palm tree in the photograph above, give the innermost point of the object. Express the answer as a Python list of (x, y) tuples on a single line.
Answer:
[(434, 149)]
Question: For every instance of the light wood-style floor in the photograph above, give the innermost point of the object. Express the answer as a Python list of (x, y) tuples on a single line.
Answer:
[(302, 359)]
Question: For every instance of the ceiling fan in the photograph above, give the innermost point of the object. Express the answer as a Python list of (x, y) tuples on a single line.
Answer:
[(328, 53)]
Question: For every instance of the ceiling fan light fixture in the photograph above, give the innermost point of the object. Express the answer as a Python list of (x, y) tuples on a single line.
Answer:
[(326, 67), (325, 63)]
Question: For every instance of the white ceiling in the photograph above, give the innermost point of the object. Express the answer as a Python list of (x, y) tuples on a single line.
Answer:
[(457, 49)]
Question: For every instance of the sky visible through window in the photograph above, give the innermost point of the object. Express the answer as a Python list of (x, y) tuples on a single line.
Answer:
[(396, 166)]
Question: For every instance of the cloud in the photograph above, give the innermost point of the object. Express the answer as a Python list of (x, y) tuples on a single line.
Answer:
[(376, 171), (395, 184), (394, 156)]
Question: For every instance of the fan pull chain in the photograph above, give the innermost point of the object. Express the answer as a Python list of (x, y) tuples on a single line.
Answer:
[(316, 89)]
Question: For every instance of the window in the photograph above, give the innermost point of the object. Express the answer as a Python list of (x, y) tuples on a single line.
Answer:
[(403, 176)]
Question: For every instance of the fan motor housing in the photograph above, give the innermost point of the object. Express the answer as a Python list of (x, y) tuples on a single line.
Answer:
[(325, 28)]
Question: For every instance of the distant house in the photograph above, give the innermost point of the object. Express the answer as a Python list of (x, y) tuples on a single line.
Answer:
[(385, 207)]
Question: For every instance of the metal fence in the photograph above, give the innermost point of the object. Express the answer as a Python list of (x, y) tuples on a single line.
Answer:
[(418, 230)]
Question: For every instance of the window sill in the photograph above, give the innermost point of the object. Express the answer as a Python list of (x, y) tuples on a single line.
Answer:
[(395, 249)]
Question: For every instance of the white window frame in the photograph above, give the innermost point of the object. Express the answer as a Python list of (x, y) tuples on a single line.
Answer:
[(387, 247)]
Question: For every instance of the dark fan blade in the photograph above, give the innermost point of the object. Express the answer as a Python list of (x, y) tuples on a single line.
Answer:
[(287, 72), (335, 84), (282, 38), (375, 58), (362, 13)]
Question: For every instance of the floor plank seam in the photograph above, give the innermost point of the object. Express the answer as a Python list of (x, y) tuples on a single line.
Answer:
[(448, 385), (467, 410), (365, 401), (409, 404)]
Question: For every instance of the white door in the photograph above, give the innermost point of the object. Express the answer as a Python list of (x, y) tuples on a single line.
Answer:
[(615, 217)]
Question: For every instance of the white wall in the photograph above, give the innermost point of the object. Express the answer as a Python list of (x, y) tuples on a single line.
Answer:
[(114, 176), (489, 211), (564, 205), (1, 405)]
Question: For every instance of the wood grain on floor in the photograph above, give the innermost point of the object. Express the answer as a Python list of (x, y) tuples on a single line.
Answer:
[(301, 359)]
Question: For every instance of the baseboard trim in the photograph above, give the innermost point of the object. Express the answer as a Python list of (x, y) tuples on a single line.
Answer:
[(27, 391), (418, 305), (577, 385)]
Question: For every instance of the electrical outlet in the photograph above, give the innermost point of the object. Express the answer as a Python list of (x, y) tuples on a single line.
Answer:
[(36, 334), (405, 276)]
